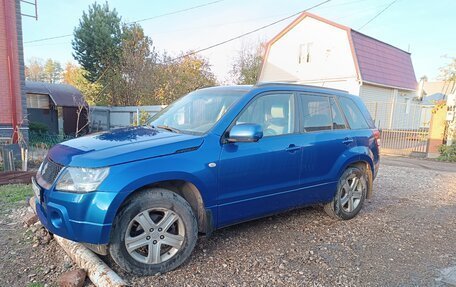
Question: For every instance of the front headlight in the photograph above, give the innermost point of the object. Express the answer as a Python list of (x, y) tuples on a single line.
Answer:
[(80, 179)]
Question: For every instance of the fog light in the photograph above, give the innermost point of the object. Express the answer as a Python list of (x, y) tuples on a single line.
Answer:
[(56, 219)]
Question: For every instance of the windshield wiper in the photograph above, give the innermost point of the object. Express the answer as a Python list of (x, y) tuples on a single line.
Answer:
[(168, 128)]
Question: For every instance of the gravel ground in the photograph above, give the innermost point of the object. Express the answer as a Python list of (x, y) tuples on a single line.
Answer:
[(404, 236)]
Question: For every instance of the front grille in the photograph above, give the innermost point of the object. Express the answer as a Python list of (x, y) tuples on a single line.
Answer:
[(50, 170)]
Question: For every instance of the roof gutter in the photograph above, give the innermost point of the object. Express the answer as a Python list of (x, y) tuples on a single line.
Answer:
[(387, 86)]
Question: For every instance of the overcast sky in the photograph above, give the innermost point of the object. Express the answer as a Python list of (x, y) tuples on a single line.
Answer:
[(424, 28)]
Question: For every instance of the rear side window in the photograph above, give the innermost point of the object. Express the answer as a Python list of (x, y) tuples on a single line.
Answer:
[(353, 114), (338, 121), (315, 113)]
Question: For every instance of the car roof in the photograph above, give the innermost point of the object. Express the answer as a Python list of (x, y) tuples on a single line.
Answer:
[(277, 86)]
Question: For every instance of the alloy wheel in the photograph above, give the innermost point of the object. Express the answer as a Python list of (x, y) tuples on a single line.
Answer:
[(154, 235), (352, 192)]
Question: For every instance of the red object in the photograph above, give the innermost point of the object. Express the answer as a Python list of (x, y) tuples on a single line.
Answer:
[(377, 137), (10, 92)]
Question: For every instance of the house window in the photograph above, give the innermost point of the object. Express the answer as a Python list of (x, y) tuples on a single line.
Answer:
[(37, 101), (305, 53)]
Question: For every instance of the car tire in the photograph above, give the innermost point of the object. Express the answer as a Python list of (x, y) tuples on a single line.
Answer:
[(148, 252), (350, 195)]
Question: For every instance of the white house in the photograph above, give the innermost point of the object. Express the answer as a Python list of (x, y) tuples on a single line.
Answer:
[(315, 51)]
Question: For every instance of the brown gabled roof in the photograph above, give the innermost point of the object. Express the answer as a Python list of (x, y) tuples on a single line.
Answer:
[(376, 62)]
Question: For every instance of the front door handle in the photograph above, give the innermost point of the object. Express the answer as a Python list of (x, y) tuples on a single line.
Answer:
[(347, 141), (292, 148)]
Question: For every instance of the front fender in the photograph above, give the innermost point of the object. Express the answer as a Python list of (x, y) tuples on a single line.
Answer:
[(191, 167)]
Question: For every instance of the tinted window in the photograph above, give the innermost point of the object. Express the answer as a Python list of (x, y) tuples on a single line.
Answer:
[(353, 114), (274, 112), (315, 113), (338, 121)]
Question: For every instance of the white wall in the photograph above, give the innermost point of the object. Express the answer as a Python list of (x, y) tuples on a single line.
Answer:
[(394, 109), (330, 62)]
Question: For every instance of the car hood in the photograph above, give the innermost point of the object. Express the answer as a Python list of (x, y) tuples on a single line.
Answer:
[(121, 146)]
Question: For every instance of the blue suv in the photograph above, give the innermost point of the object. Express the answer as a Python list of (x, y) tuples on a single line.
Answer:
[(216, 157)]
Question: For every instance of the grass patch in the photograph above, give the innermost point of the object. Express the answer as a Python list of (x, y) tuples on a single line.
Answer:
[(13, 194), (35, 285)]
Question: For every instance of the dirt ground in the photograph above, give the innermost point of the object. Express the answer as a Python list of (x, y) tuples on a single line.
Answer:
[(404, 236)]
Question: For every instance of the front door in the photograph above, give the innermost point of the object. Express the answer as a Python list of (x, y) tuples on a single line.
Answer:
[(258, 178)]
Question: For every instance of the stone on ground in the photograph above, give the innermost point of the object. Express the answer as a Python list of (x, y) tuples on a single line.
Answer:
[(74, 278)]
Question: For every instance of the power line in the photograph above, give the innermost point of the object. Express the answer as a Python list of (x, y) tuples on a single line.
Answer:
[(50, 38), (248, 33), (176, 12), (140, 20), (378, 14)]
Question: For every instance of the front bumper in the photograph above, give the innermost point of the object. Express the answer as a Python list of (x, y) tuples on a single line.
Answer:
[(82, 218)]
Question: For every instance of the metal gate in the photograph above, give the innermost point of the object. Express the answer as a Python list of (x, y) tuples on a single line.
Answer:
[(404, 126)]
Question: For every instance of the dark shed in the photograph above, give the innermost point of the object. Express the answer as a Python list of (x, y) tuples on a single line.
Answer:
[(56, 106)]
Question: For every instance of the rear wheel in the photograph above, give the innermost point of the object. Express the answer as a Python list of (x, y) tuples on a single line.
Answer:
[(154, 232), (350, 195)]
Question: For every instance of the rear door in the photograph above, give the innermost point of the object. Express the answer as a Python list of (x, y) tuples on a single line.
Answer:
[(325, 138), (361, 125)]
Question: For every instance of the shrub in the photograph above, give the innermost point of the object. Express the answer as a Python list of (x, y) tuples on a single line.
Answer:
[(38, 127), (447, 153)]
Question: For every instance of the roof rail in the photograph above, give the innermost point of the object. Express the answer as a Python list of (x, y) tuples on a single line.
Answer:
[(295, 83)]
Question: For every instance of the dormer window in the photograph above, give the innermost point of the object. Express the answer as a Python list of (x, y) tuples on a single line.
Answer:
[(305, 51)]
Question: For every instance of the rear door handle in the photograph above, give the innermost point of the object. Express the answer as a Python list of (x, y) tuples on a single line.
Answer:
[(347, 141), (292, 148)]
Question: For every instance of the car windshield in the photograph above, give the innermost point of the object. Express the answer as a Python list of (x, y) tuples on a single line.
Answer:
[(197, 112)]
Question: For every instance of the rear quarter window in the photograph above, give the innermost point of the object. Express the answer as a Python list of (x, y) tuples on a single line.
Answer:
[(353, 114)]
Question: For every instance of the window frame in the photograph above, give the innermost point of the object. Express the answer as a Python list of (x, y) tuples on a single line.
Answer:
[(296, 123), (34, 98), (347, 126)]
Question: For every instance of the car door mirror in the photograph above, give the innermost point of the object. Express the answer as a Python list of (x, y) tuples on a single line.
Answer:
[(245, 133)]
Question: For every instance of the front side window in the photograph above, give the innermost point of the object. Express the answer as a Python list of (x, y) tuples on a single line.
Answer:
[(273, 112), (196, 112), (353, 114), (315, 113)]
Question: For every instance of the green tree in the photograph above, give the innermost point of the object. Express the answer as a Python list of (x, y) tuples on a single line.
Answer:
[(247, 65), (34, 70), (448, 74), (74, 75), (179, 77), (97, 40), (131, 81), (52, 71)]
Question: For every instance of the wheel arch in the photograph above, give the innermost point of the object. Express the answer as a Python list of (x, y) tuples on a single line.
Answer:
[(188, 191), (365, 164)]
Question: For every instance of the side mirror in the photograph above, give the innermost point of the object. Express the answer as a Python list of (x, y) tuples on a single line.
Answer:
[(245, 133)]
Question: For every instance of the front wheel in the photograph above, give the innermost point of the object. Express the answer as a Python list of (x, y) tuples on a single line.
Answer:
[(350, 195), (154, 232)]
